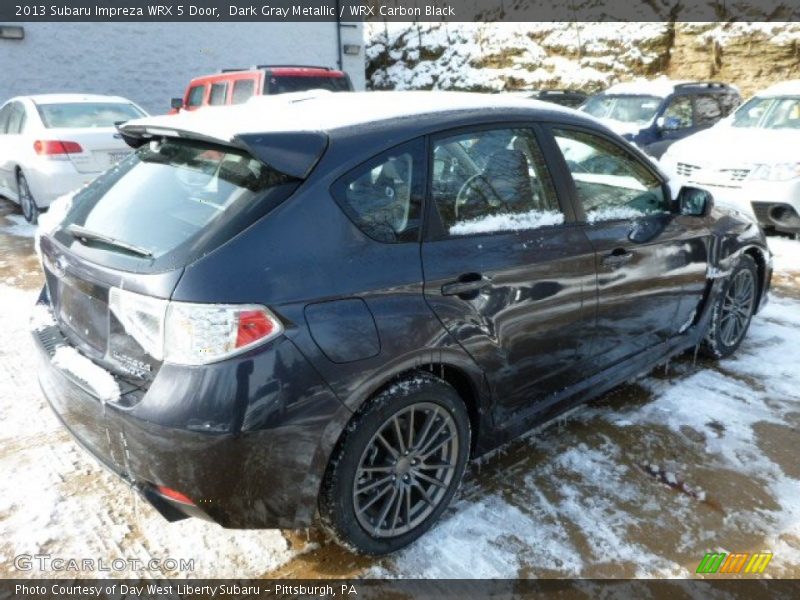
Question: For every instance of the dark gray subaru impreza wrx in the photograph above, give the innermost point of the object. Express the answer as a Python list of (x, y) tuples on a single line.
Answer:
[(316, 308)]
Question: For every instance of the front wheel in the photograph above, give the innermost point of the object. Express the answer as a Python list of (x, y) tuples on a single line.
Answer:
[(397, 467), (733, 311), (29, 208)]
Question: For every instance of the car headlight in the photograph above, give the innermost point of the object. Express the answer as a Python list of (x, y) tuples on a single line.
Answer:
[(776, 172)]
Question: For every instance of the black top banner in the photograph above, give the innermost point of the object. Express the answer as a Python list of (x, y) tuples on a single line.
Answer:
[(18, 11)]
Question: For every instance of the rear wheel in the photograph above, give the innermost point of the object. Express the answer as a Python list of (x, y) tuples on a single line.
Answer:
[(26, 202), (733, 311), (397, 467)]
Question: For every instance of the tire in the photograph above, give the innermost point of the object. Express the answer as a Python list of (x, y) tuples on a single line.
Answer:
[(388, 509), (733, 311), (26, 201)]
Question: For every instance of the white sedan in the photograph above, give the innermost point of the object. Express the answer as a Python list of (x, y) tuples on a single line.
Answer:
[(52, 144), (751, 160)]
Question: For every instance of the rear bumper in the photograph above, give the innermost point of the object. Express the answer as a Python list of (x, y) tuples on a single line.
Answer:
[(265, 473)]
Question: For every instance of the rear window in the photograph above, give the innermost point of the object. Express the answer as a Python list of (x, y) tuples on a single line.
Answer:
[(170, 199), (281, 84), (87, 114)]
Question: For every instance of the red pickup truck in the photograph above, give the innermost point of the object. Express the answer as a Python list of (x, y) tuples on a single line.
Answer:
[(235, 86)]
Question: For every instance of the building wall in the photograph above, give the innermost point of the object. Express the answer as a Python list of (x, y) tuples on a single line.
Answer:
[(150, 63)]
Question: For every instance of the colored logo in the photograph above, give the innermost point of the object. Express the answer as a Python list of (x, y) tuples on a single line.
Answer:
[(733, 563)]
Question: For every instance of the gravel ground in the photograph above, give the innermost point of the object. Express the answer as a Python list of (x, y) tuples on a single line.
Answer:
[(642, 482)]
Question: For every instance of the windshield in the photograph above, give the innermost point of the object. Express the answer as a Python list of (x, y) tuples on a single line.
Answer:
[(628, 109), (281, 84), (87, 114), (769, 113), (167, 193)]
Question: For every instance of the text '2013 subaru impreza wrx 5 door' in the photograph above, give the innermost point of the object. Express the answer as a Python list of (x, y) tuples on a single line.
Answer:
[(316, 308)]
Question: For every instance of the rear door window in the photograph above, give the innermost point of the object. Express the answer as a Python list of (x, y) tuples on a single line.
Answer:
[(16, 119), (383, 197), (243, 90), (492, 180), (196, 94), (169, 194), (218, 94)]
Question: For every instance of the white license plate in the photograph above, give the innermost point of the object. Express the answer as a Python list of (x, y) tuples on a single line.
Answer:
[(115, 157)]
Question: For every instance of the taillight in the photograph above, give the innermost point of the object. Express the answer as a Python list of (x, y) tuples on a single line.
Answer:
[(173, 494), (56, 147), (192, 334)]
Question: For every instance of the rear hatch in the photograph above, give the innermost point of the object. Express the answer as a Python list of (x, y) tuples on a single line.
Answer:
[(117, 255)]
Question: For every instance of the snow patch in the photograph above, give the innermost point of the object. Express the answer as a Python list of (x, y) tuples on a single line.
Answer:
[(101, 381), (50, 220), (41, 317), (19, 227), (508, 222)]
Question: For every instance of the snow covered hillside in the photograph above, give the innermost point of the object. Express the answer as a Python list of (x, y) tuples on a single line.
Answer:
[(590, 56)]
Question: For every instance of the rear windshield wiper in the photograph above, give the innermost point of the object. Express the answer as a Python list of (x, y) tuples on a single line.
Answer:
[(84, 235)]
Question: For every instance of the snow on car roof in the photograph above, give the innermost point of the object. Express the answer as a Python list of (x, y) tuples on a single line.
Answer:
[(662, 87), (70, 98), (320, 110), (784, 88)]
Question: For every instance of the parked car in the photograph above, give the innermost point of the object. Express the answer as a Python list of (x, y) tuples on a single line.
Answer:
[(236, 86), (655, 114), (328, 304), (51, 144), (566, 97), (751, 159)]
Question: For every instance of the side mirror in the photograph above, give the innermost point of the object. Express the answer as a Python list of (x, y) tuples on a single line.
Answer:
[(176, 103), (694, 202), (661, 122)]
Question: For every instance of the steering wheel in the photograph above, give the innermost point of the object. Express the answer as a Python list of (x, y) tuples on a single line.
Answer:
[(485, 192)]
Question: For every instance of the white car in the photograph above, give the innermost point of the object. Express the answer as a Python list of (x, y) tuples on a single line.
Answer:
[(751, 160), (52, 144)]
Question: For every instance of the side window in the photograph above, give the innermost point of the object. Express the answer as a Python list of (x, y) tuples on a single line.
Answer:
[(196, 96), (5, 114), (728, 102), (678, 115), (16, 119), (383, 196), (611, 183), (243, 89), (492, 180), (218, 94), (706, 110)]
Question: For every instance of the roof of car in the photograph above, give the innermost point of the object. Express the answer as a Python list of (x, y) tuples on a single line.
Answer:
[(663, 87), (320, 110), (784, 88), (69, 98)]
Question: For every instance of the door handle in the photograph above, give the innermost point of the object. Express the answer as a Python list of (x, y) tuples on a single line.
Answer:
[(466, 284), (619, 256)]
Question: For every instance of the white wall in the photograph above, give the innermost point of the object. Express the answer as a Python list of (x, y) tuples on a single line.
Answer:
[(150, 63)]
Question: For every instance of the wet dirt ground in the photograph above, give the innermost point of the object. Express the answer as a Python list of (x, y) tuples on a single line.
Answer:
[(695, 457)]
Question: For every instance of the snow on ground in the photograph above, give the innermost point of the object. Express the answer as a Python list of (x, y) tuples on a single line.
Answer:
[(641, 482), (19, 227)]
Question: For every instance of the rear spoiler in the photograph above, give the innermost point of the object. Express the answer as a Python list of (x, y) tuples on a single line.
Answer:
[(291, 153)]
